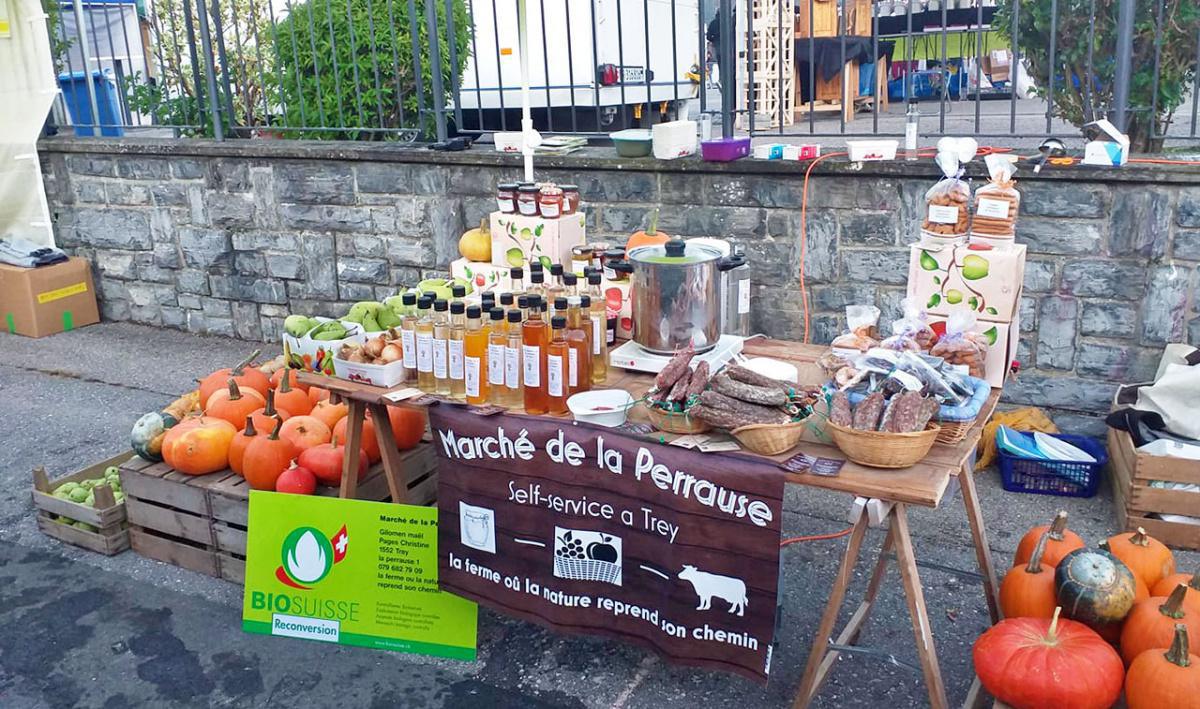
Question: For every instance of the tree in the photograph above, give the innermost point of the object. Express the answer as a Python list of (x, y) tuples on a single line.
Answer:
[(349, 63), (1152, 101)]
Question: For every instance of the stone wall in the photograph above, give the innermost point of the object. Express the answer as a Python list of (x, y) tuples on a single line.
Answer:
[(228, 238)]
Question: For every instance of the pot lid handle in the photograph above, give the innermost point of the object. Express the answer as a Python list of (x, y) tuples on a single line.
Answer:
[(731, 262), (675, 247)]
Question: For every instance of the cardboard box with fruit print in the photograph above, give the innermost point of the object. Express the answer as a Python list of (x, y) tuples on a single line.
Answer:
[(517, 239), (1002, 344), (483, 276), (986, 279), (618, 305)]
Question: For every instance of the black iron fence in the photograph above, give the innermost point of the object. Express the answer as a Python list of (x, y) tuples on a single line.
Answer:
[(371, 70)]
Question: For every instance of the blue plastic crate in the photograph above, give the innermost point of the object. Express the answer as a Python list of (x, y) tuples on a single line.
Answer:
[(1054, 477)]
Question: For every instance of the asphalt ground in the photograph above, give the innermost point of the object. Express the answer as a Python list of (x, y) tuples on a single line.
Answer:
[(85, 631)]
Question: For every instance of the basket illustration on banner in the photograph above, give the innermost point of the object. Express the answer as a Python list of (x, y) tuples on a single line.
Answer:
[(583, 555)]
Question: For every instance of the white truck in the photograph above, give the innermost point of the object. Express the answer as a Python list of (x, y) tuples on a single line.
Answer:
[(589, 63)]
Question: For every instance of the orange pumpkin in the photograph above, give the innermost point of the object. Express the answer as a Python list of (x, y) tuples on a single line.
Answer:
[(1028, 591), (1151, 623), (1192, 581), (316, 394), (245, 375), (266, 458), (1158, 680), (329, 412), (233, 404), (648, 237), (408, 425), (198, 445), (305, 432), (277, 377), (1144, 555), (237, 447), (293, 401), (266, 416), (1062, 541), (1140, 591), (370, 443)]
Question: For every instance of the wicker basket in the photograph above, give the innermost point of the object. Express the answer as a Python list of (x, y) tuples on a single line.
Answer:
[(770, 438), (954, 432), (672, 422), (877, 449)]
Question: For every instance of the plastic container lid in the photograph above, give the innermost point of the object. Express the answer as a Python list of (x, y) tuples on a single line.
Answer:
[(675, 251)]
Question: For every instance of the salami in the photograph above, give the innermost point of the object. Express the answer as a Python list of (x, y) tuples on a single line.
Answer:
[(725, 418), (680, 387), (868, 412), (750, 376), (699, 380), (676, 368), (928, 409), (904, 413), (752, 413), (889, 409), (839, 410), (750, 393)]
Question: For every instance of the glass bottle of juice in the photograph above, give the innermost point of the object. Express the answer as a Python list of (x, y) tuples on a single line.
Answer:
[(555, 289), (579, 359), (516, 276), (487, 301), (512, 360), (537, 283), (507, 301), (534, 338), (454, 347), (557, 355), (424, 337), (560, 306), (497, 339), (475, 358), (457, 292), (598, 314), (523, 306), (570, 284), (441, 353), (408, 336)]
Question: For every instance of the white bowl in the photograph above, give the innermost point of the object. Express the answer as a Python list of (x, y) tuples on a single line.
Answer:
[(773, 368), (604, 407)]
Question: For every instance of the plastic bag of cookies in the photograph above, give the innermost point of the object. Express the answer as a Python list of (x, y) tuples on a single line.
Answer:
[(911, 332), (947, 202), (997, 202), (862, 336), (961, 344)]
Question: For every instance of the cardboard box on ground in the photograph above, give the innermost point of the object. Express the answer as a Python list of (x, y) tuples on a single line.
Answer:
[(49, 299)]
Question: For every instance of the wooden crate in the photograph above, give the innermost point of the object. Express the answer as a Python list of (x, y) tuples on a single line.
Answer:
[(200, 522), (822, 22), (1135, 501), (110, 536)]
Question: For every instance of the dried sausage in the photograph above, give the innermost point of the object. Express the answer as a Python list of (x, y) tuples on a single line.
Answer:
[(676, 368), (749, 376), (748, 392), (889, 410), (839, 410), (904, 413), (725, 418), (928, 409), (868, 412), (699, 380), (753, 413), (679, 389)]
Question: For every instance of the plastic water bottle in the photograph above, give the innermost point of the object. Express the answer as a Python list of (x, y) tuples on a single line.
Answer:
[(912, 130)]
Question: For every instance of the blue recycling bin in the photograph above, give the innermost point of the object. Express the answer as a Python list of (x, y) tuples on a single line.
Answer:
[(75, 94)]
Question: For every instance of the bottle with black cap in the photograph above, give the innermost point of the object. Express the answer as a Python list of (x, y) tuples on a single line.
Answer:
[(555, 288), (457, 292), (475, 359), (454, 347), (512, 360), (537, 282), (487, 301), (516, 277), (570, 284), (579, 359), (497, 340), (507, 301), (523, 306), (441, 354), (598, 314), (424, 337), (557, 357), (534, 338), (408, 336)]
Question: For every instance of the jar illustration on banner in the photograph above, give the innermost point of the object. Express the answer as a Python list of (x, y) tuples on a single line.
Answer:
[(587, 556), (477, 527)]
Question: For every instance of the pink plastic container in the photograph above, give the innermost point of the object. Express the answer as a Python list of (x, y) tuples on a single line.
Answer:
[(725, 149)]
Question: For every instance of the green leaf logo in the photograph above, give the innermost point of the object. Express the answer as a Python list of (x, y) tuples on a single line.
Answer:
[(928, 262), (934, 300), (991, 311), (991, 335), (307, 555), (973, 302), (937, 281)]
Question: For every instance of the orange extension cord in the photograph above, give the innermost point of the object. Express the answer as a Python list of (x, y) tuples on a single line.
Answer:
[(816, 537), (923, 153)]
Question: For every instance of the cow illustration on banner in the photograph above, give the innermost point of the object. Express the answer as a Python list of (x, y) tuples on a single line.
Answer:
[(589, 530)]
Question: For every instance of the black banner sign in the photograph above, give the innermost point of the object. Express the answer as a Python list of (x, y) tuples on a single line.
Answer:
[(587, 530)]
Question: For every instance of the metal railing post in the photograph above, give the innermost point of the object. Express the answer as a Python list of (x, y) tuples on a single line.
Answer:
[(726, 63), (1124, 69), (214, 107), (435, 70), (80, 29)]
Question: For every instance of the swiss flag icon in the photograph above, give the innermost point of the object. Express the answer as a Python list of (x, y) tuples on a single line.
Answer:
[(340, 542)]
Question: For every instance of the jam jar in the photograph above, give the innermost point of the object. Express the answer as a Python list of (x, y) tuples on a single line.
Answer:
[(550, 202), (527, 200), (611, 256), (570, 199), (506, 197)]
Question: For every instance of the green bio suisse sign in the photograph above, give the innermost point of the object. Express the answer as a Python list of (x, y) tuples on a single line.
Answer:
[(351, 572)]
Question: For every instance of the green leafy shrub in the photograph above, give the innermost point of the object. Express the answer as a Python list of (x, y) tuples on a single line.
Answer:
[(350, 63)]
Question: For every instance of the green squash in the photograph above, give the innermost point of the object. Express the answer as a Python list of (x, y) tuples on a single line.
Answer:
[(1094, 587), (147, 434)]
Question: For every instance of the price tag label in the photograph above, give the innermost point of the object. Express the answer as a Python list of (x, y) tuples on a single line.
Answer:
[(992, 208), (941, 214)]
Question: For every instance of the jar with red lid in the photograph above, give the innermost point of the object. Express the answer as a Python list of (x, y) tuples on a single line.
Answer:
[(550, 202), (506, 197), (527, 200), (570, 199)]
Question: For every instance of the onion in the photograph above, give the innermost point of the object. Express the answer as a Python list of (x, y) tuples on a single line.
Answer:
[(390, 353), (374, 347)]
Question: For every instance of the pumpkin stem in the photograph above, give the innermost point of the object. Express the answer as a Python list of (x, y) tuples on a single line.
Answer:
[(249, 430), (246, 362), (1139, 538), (275, 434), (653, 228), (1035, 560), (1052, 633), (1178, 653), (1105, 546), (234, 392), (1173, 608), (1058, 526), (269, 409), (285, 384), (1194, 584)]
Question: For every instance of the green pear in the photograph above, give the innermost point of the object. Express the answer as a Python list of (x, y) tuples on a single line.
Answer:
[(954, 297), (297, 325), (974, 267)]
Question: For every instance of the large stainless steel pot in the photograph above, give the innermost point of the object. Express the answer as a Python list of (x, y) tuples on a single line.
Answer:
[(676, 295)]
